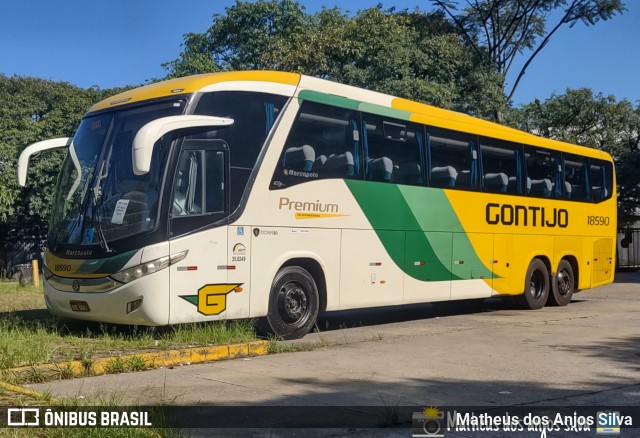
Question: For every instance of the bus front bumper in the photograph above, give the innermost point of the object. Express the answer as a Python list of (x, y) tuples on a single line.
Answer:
[(144, 301)]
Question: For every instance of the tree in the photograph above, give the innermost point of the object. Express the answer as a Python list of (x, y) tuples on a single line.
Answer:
[(503, 30), (31, 110), (410, 54), (238, 39), (597, 121)]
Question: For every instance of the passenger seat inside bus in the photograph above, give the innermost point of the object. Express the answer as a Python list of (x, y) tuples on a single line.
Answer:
[(568, 190), (541, 187), (599, 193), (408, 172), (336, 165), (380, 169), (496, 182), (464, 179), (299, 158), (513, 185), (443, 176)]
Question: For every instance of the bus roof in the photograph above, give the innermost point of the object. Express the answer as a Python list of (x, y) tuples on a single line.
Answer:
[(192, 84), (346, 95)]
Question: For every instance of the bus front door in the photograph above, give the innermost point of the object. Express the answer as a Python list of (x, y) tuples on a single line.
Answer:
[(198, 226)]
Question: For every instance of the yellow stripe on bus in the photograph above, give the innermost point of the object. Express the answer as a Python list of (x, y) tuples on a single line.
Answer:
[(193, 84)]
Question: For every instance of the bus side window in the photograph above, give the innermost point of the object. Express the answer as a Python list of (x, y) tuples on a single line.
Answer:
[(454, 159), (601, 179), (544, 172), (187, 195), (576, 178), (324, 142), (199, 187), (501, 168), (253, 114), (393, 150), (215, 190)]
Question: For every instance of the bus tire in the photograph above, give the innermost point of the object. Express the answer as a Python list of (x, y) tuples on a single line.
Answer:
[(293, 303), (536, 286), (563, 285)]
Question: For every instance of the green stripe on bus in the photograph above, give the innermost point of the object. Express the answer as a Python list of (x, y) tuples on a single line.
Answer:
[(384, 111), (433, 210), (387, 210), (106, 265), (391, 208), (343, 102), (328, 99)]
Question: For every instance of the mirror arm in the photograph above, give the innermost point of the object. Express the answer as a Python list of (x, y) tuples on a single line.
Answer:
[(46, 145), (149, 134)]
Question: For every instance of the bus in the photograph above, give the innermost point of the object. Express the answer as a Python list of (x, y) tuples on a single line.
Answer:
[(276, 196)]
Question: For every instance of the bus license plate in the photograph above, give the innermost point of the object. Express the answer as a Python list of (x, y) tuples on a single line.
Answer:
[(79, 306)]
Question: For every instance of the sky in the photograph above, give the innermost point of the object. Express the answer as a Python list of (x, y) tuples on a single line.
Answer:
[(124, 42)]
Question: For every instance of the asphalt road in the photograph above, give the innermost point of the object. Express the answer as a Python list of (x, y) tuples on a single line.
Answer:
[(483, 354)]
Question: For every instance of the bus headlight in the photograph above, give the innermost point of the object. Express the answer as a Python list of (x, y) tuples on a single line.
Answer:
[(128, 275)]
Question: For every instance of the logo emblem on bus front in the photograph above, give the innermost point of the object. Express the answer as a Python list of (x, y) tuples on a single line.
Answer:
[(76, 285), (256, 231)]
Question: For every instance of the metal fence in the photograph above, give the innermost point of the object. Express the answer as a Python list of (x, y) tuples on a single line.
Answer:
[(628, 254)]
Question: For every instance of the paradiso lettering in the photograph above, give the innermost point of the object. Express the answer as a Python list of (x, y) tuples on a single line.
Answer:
[(506, 214)]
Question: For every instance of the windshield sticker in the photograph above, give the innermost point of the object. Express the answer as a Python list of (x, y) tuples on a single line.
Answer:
[(120, 211), (87, 237)]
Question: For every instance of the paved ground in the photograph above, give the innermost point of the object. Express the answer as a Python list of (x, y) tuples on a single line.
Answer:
[(482, 354)]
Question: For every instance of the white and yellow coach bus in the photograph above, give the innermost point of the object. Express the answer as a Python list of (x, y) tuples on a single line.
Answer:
[(277, 195)]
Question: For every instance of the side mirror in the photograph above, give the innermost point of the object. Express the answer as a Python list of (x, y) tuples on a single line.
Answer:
[(149, 134), (46, 145)]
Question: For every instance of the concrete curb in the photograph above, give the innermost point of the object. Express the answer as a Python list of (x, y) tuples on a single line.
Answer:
[(24, 391), (134, 362)]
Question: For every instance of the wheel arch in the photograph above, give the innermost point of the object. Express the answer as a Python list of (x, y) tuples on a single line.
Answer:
[(545, 260), (573, 261)]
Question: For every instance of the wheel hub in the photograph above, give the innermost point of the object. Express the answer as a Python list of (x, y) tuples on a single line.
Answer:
[(294, 303), (564, 283), (536, 285)]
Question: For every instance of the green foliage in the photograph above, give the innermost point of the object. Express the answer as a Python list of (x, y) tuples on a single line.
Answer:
[(411, 54), (597, 121), (502, 30), (31, 110), (238, 39), (115, 365)]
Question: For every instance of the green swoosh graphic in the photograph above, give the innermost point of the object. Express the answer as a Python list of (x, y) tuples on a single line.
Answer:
[(391, 208)]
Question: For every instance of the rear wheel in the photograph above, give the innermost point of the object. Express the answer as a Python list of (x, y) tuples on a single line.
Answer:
[(563, 285), (536, 286), (293, 303)]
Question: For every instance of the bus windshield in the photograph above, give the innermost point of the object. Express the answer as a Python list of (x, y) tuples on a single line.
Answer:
[(98, 198)]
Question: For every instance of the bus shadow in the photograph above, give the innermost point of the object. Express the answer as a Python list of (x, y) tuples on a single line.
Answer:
[(498, 306), (337, 320)]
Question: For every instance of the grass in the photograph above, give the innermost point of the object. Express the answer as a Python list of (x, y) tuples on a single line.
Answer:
[(29, 335), (10, 398)]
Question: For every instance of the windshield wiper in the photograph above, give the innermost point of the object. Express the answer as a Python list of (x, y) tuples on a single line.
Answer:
[(97, 215)]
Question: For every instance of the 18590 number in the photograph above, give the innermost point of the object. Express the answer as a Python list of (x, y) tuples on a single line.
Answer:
[(598, 221)]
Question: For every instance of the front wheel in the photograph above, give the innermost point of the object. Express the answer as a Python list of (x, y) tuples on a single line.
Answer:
[(293, 303), (536, 286), (563, 285)]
